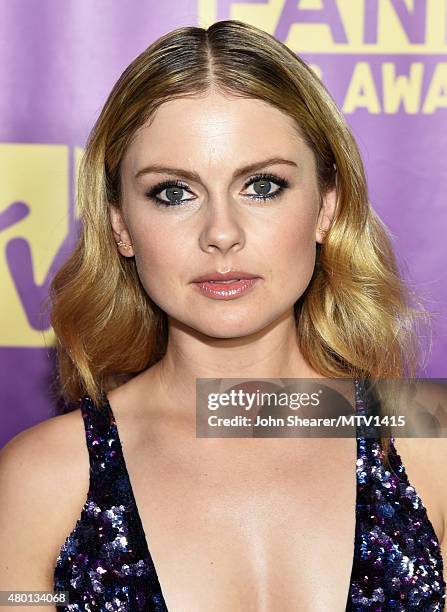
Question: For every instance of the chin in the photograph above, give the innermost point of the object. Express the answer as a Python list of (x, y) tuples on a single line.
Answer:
[(225, 330)]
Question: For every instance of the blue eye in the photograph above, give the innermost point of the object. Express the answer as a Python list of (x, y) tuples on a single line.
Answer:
[(263, 186), (172, 193)]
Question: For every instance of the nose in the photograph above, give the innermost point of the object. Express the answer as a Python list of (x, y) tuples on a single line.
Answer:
[(222, 229)]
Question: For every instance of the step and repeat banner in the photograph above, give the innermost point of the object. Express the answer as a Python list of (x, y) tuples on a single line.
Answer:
[(384, 62)]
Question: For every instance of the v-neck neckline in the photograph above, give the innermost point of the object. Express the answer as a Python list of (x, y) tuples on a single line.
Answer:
[(358, 395)]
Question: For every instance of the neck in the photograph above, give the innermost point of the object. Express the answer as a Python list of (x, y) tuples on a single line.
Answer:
[(272, 352)]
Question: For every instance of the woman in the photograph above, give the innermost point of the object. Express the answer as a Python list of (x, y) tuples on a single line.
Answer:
[(219, 155)]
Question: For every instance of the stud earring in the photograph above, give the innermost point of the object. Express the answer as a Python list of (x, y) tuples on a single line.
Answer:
[(125, 245)]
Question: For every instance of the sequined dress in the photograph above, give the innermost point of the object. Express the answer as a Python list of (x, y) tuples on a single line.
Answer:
[(105, 563)]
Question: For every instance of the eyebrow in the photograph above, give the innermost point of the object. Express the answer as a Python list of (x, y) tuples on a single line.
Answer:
[(193, 176)]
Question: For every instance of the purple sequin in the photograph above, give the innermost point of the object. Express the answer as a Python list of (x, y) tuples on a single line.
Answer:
[(398, 566), (105, 563)]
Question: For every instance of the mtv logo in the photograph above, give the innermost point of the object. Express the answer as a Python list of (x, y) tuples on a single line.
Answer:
[(38, 228)]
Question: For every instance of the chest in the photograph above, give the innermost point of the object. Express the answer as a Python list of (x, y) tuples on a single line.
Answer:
[(248, 524)]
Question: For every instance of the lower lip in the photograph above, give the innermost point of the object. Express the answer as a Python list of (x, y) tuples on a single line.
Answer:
[(226, 291)]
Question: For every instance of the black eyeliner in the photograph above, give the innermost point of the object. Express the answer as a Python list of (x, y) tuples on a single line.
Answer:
[(282, 182), (152, 193)]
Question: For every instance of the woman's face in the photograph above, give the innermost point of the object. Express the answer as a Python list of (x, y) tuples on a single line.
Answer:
[(191, 206)]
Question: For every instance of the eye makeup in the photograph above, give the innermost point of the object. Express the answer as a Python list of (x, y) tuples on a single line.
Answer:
[(154, 193)]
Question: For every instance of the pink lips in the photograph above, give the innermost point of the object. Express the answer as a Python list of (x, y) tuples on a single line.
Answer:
[(215, 275), (226, 291), (225, 285)]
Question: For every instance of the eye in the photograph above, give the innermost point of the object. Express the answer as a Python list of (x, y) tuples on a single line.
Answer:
[(170, 193), (264, 186)]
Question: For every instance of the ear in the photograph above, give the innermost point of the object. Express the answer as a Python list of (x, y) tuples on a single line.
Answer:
[(120, 231), (326, 214)]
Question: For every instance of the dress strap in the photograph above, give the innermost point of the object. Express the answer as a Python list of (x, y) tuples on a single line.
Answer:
[(367, 405), (103, 445)]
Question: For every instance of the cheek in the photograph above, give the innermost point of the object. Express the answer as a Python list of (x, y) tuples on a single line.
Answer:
[(293, 252), (158, 259)]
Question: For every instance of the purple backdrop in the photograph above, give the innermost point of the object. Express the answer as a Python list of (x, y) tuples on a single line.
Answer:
[(59, 62)]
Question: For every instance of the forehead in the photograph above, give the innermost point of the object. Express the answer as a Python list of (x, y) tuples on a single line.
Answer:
[(216, 127)]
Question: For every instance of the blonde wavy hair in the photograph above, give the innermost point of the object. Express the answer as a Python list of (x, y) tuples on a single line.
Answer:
[(356, 317)]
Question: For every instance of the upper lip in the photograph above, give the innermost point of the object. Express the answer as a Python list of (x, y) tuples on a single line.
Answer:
[(215, 275)]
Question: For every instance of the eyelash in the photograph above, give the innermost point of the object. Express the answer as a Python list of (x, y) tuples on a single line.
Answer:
[(280, 181)]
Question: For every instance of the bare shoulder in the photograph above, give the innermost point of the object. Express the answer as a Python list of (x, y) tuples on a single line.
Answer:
[(425, 458), (44, 478)]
